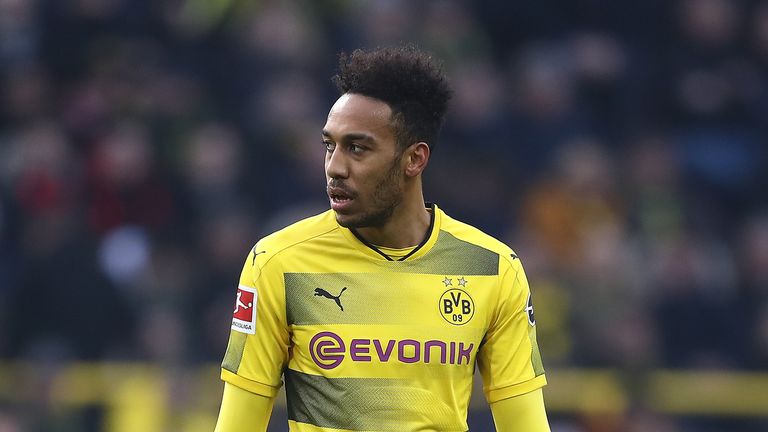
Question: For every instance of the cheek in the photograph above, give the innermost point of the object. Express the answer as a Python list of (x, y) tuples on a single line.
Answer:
[(382, 180)]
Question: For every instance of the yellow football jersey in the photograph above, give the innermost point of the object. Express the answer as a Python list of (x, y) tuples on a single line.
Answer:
[(367, 342)]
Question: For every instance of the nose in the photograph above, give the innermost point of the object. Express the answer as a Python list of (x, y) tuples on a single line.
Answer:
[(336, 165)]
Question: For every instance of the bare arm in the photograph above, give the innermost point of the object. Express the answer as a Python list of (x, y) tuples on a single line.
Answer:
[(243, 410), (521, 413)]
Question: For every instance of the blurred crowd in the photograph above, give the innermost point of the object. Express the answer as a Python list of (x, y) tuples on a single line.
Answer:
[(621, 148)]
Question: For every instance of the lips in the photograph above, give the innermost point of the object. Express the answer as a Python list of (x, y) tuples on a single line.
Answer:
[(340, 197)]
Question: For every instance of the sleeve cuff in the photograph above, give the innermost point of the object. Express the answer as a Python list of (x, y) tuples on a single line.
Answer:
[(249, 385), (497, 394)]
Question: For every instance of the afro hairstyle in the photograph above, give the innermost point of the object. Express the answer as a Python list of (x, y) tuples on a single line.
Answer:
[(405, 78)]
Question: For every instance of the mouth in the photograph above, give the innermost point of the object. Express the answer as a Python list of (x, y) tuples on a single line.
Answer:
[(340, 198)]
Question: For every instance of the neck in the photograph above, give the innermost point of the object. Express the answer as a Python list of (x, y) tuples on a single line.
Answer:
[(406, 227)]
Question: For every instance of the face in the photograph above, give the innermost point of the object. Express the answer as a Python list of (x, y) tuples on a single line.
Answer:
[(362, 163)]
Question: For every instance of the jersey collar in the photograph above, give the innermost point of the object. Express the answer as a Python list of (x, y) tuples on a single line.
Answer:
[(426, 244)]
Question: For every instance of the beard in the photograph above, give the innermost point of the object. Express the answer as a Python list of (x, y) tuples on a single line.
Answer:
[(387, 195)]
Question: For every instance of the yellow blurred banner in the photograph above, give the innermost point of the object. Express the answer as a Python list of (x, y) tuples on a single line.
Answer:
[(146, 397)]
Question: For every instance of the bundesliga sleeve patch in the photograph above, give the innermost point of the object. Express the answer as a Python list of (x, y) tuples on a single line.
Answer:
[(244, 315)]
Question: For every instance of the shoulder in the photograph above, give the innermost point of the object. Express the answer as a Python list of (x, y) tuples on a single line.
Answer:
[(292, 236), (470, 234)]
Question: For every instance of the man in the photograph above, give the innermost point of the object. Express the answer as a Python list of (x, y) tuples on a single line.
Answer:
[(376, 311)]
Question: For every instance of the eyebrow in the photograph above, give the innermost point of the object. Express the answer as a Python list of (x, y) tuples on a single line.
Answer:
[(353, 136)]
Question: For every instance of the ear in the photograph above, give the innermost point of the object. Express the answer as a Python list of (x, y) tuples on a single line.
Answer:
[(416, 158)]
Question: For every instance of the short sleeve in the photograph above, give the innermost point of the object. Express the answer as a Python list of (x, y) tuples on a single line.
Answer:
[(257, 350), (509, 358)]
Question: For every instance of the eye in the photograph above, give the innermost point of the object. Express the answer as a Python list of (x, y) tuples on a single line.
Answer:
[(354, 148), (329, 146)]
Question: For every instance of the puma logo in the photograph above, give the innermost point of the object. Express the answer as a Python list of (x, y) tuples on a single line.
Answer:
[(253, 261), (323, 293)]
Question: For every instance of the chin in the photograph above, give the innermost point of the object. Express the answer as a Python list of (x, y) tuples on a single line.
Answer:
[(350, 221), (343, 220), (370, 220)]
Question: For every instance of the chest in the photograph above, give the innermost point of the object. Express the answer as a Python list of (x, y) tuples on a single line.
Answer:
[(447, 302), (385, 320)]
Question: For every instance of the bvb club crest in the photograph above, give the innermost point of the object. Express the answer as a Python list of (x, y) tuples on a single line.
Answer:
[(456, 305)]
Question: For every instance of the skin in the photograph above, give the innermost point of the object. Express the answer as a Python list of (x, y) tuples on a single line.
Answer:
[(382, 180)]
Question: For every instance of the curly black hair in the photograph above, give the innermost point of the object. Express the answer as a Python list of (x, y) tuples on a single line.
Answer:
[(405, 78)]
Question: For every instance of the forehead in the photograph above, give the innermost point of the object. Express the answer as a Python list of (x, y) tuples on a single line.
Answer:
[(357, 113)]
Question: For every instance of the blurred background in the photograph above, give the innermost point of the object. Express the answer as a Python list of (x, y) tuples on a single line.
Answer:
[(621, 148)]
